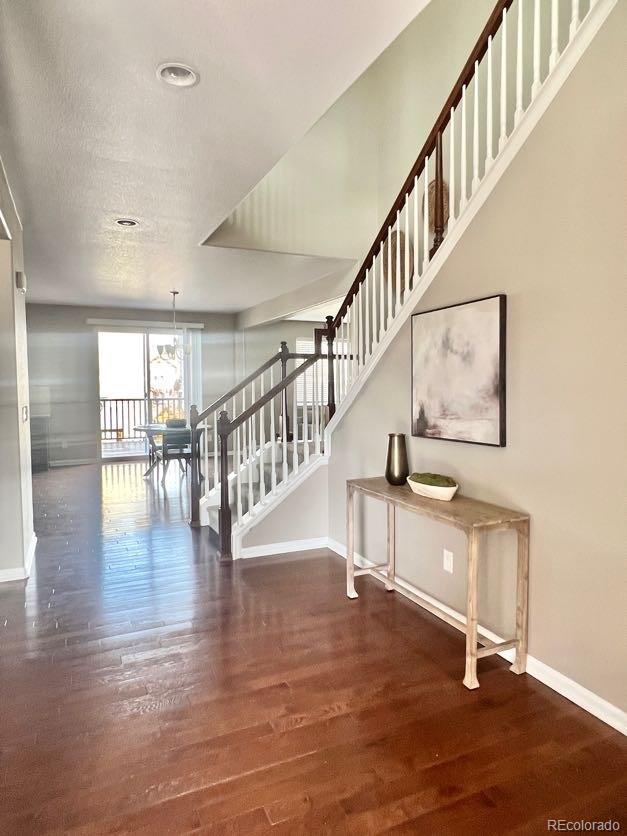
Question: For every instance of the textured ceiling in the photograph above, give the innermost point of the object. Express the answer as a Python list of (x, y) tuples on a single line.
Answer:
[(88, 134)]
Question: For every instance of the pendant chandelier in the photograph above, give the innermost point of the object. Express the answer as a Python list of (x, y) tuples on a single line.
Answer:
[(179, 348)]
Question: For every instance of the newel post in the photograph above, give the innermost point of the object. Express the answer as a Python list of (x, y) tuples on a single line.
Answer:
[(330, 367), (194, 503), (438, 213), (224, 429), (285, 415)]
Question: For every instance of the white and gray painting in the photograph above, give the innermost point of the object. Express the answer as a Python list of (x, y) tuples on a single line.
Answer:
[(455, 370)]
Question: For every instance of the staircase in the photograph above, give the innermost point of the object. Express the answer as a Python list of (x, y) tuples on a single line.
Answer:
[(261, 440)]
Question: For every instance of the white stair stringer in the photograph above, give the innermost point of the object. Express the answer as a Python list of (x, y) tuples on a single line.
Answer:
[(542, 99)]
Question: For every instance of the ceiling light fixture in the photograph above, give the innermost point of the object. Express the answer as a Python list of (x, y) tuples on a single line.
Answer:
[(179, 348), (126, 222), (177, 75)]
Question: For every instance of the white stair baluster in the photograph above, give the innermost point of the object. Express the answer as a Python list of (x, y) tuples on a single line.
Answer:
[(295, 426), (370, 303), (555, 11), (381, 324), (388, 320), (251, 452), (574, 20), (489, 157), (362, 319), (349, 346), (205, 443), (341, 365), (272, 435), (464, 149), (365, 316), (339, 380), (244, 443), (425, 218), (216, 476), (519, 65), (503, 114), (238, 474), (375, 305), (351, 339), (451, 172), (357, 305), (475, 132), (406, 289), (253, 444), (397, 282), (360, 323), (305, 418), (354, 337), (345, 354), (316, 410), (416, 227), (262, 444), (284, 468), (535, 87)]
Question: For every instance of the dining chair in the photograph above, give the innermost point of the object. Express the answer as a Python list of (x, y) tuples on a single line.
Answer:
[(175, 444)]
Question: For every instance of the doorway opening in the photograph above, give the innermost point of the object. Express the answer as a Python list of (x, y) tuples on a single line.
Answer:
[(143, 380)]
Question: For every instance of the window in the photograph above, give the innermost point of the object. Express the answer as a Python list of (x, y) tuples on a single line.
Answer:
[(306, 346)]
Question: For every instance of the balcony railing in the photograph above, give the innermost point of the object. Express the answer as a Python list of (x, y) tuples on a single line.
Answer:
[(120, 416)]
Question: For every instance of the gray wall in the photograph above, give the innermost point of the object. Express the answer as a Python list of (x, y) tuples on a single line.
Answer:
[(303, 515), (63, 356), (552, 238), (257, 344)]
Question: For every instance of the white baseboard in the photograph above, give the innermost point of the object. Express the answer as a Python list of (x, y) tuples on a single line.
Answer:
[(573, 691), (7, 575), (21, 573), (284, 547), (30, 554)]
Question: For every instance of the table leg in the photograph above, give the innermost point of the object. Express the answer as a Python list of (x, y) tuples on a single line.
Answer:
[(350, 544), (391, 546), (470, 678), (522, 597)]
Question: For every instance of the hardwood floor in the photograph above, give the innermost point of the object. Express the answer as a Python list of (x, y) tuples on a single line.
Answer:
[(146, 688)]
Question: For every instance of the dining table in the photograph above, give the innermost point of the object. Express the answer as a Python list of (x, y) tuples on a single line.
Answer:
[(152, 432)]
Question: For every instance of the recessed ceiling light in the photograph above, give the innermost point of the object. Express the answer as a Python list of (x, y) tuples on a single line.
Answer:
[(126, 222), (177, 75)]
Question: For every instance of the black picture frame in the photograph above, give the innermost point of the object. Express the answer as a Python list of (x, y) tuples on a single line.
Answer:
[(502, 383)]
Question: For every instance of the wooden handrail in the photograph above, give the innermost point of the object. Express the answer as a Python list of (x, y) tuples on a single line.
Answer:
[(289, 355), (466, 75), (226, 430), (237, 388)]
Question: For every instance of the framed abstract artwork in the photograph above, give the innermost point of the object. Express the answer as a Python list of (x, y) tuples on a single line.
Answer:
[(458, 372)]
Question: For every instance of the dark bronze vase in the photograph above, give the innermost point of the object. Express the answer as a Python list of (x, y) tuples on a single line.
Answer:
[(397, 466)]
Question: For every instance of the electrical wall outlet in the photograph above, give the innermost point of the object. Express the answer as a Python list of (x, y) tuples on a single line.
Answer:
[(447, 561)]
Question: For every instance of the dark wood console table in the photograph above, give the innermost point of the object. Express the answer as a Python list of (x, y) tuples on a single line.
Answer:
[(474, 518)]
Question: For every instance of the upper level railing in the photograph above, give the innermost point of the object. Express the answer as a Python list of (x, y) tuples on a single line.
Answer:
[(433, 145)]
